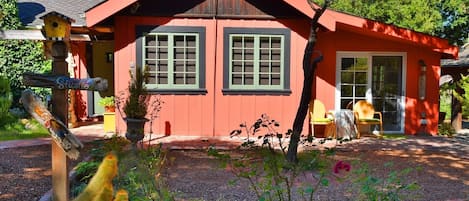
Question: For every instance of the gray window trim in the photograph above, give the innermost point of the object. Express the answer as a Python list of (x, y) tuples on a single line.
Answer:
[(226, 65), (140, 32)]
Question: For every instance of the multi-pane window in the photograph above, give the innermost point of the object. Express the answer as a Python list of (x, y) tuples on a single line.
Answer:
[(377, 78), (354, 80), (256, 60), (173, 58)]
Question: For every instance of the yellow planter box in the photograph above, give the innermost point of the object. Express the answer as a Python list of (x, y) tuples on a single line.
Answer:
[(109, 122)]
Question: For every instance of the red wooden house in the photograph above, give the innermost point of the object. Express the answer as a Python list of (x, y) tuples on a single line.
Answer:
[(217, 63)]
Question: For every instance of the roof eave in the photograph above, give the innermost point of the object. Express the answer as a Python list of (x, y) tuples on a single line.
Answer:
[(326, 20), (391, 31), (329, 20), (104, 10)]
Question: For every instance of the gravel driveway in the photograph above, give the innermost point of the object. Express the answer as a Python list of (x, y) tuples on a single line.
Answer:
[(25, 171)]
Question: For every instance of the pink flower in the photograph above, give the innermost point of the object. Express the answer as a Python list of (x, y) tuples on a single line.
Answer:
[(341, 165)]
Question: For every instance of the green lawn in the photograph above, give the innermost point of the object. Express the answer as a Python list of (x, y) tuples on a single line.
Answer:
[(18, 131), (394, 136)]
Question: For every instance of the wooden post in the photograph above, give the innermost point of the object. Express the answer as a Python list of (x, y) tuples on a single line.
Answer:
[(57, 29), (60, 183)]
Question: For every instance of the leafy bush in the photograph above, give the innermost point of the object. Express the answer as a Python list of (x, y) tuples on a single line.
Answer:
[(85, 170), (138, 171), (391, 187), (446, 129), (100, 187), (19, 113), (269, 174), (271, 177), (20, 56), (107, 101), (140, 175), (446, 92), (5, 100)]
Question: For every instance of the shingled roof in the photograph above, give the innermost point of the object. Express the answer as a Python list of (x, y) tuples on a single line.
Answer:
[(31, 10)]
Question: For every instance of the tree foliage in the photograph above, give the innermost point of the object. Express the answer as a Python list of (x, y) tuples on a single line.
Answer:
[(448, 19), (462, 97), (5, 99), (19, 56), (9, 15)]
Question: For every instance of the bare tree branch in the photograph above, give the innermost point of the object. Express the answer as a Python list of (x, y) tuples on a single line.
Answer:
[(309, 68)]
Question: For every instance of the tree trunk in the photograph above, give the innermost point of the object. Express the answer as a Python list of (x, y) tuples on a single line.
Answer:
[(309, 68)]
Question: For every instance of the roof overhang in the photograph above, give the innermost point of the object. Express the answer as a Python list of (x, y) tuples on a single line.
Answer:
[(326, 20), (104, 10), (391, 32), (333, 19), (108, 8), (35, 35), (330, 20)]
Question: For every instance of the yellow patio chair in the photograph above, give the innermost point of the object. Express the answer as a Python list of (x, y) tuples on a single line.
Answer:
[(319, 116), (365, 114)]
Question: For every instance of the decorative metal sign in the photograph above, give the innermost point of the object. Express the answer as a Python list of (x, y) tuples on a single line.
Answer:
[(64, 82)]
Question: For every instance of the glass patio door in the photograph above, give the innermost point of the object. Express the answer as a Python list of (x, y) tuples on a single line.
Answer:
[(376, 78), (386, 90)]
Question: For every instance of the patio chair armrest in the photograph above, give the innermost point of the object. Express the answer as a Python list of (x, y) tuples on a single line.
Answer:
[(356, 117), (380, 115), (330, 113)]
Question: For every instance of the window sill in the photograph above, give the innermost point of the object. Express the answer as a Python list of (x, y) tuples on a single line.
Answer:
[(284, 92)]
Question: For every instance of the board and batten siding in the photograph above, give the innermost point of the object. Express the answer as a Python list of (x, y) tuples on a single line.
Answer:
[(213, 113)]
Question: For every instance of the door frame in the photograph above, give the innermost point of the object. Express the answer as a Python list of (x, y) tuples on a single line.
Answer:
[(369, 55)]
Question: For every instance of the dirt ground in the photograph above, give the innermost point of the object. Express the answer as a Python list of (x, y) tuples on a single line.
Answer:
[(443, 173), (440, 176)]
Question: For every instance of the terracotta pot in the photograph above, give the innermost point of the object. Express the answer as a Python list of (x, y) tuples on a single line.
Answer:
[(135, 129), (109, 108)]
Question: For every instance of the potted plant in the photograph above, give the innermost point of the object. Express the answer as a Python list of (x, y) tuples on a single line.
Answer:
[(135, 105), (108, 103), (109, 113)]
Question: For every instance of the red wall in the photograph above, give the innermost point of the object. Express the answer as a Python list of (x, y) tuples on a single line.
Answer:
[(212, 114), (216, 114), (343, 40), (78, 50)]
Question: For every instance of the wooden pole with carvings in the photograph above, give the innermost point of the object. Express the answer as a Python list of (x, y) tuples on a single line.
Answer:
[(64, 144), (57, 29), (60, 183)]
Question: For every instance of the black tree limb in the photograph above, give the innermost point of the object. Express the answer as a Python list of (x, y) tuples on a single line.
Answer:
[(309, 68)]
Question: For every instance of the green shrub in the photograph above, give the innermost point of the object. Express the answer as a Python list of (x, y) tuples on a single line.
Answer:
[(138, 171), (391, 187), (5, 101), (264, 165), (445, 99), (107, 101), (20, 56), (85, 170), (140, 175), (446, 129)]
